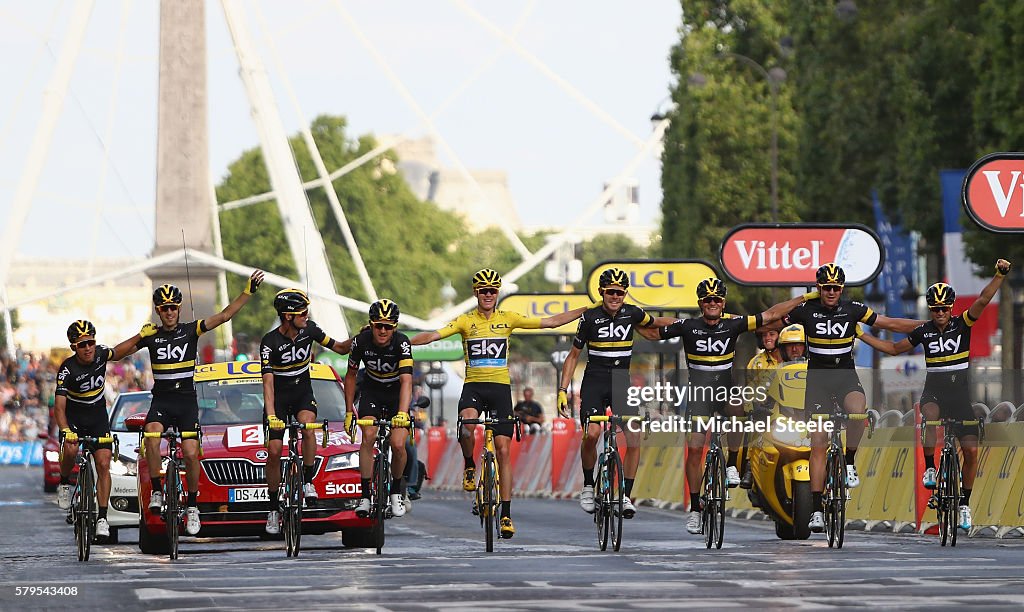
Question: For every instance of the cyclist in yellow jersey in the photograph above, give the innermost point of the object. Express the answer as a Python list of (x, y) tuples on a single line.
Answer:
[(485, 339), (759, 373)]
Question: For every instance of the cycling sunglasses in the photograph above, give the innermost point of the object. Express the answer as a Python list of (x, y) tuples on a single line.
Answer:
[(168, 308), (487, 291), (384, 326), (614, 292), (938, 308), (84, 344), (831, 287), (713, 300)]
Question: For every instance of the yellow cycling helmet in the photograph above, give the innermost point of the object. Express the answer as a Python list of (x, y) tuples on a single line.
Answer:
[(486, 278), (793, 334)]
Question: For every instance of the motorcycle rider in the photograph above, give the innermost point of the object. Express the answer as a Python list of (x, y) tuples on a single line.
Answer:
[(759, 373)]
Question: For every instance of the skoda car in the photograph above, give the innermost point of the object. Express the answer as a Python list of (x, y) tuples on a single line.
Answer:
[(232, 481)]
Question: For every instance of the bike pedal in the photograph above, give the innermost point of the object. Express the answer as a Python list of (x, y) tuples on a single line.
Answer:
[(69, 520), (475, 510)]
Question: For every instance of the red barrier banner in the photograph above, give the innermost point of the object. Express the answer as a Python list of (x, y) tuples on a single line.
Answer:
[(436, 439), (563, 437)]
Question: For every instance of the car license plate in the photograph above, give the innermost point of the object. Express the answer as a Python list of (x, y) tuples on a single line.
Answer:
[(250, 494)]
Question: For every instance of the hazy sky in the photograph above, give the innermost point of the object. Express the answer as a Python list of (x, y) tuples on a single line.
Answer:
[(498, 110)]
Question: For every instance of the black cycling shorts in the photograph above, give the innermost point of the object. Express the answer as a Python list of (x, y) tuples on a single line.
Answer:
[(289, 402), (828, 385), (176, 410), (494, 398), (951, 392), (707, 392), (89, 420), (378, 401), (604, 388)]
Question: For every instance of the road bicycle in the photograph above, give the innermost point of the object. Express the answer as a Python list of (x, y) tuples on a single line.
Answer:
[(486, 504), (713, 493), (173, 510), (380, 481), (945, 499), (83, 511), (836, 494), (609, 484), (292, 498)]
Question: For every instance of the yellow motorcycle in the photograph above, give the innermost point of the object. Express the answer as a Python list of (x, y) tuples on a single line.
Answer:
[(780, 458)]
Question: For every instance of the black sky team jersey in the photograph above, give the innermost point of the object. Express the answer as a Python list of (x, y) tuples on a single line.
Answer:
[(610, 339), (384, 364), (948, 350), (172, 355), (831, 331), (83, 384), (710, 347), (288, 360)]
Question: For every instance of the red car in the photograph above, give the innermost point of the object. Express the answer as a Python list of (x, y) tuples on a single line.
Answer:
[(232, 484)]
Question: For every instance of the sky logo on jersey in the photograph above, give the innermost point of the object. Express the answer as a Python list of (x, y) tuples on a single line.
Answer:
[(295, 355), (381, 366), (831, 328), (710, 345), (949, 345), (168, 353), (614, 332), (487, 352)]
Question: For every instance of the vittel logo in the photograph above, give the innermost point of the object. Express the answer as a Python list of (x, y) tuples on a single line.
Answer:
[(760, 255), (993, 192)]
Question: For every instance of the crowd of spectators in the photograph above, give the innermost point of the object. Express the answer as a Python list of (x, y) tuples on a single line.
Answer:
[(27, 383)]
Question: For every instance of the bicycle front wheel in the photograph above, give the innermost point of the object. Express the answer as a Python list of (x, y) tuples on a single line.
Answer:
[(293, 508), (172, 520), (490, 500), (708, 511), (616, 492), (381, 492), (83, 513), (834, 497), (602, 503), (953, 486)]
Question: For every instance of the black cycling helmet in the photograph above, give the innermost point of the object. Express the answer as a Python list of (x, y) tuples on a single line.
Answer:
[(711, 287), (80, 329), (167, 294), (830, 274), (486, 278), (940, 294), (384, 311), (290, 301), (613, 276)]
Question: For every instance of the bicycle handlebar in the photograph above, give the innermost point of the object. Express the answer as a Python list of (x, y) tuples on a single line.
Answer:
[(185, 435)]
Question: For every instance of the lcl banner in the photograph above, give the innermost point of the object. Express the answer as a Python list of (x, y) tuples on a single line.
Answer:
[(666, 284), (543, 305), (993, 192), (787, 255)]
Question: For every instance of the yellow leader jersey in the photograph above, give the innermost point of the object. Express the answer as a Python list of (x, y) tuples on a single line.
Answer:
[(760, 373), (485, 342)]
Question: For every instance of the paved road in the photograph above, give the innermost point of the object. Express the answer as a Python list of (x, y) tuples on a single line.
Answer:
[(434, 559)]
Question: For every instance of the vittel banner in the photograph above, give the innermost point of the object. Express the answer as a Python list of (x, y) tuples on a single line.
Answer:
[(789, 254), (993, 192)]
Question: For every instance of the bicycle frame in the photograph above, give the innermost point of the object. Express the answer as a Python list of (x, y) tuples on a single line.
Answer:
[(609, 485), (945, 499), (83, 512), (174, 489), (714, 492), (380, 479), (291, 496), (488, 486), (835, 494)]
